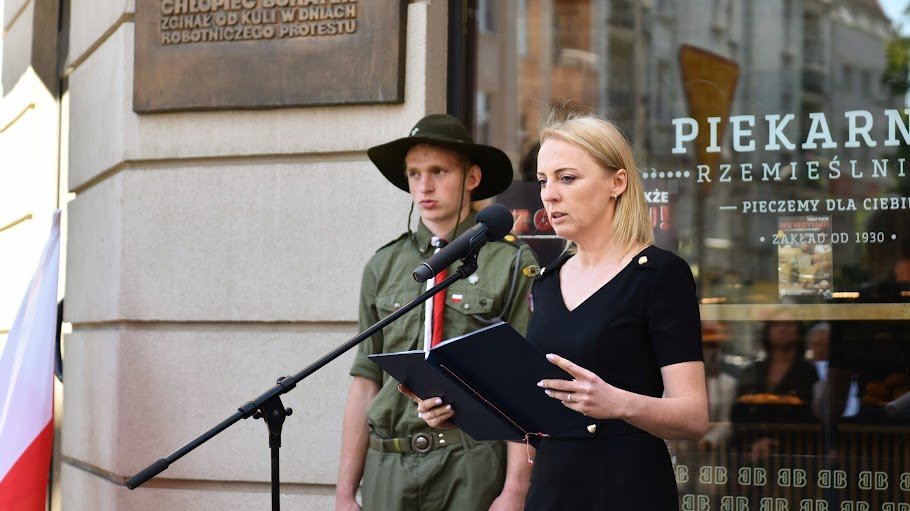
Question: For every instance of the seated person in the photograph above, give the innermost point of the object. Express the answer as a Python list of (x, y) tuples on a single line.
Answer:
[(783, 376)]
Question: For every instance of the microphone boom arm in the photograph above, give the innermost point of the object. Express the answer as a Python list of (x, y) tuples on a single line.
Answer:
[(268, 403)]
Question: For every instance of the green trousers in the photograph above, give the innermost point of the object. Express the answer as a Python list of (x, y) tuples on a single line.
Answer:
[(465, 476)]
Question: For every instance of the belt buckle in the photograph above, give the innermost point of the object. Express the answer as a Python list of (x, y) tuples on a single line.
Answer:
[(422, 443)]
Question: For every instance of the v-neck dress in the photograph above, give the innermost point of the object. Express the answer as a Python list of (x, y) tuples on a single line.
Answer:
[(643, 319)]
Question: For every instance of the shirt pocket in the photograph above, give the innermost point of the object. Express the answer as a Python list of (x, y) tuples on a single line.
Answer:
[(403, 333), (463, 304)]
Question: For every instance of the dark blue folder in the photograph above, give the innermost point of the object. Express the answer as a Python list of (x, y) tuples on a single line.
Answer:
[(490, 378)]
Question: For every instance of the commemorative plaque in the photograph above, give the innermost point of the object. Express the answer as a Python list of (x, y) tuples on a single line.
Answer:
[(245, 54)]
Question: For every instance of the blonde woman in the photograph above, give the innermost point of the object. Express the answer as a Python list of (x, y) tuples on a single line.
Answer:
[(621, 316)]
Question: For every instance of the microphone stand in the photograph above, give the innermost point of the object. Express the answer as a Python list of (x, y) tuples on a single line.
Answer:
[(271, 410)]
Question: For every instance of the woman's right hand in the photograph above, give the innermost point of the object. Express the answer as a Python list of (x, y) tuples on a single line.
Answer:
[(434, 411)]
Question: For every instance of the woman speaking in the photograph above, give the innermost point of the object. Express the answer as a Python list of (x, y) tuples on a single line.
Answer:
[(621, 317)]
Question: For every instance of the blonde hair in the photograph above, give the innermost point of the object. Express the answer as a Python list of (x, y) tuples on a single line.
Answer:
[(606, 144)]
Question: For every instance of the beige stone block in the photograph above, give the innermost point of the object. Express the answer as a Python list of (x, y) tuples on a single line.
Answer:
[(90, 20), (28, 177), (101, 106), (94, 254), (21, 251), (270, 242), (243, 242), (92, 418), (100, 115), (28, 150), (17, 43), (83, 490), (145, 390), (10, 8)]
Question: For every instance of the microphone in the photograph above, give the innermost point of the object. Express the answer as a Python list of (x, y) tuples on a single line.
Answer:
[(493, 223)]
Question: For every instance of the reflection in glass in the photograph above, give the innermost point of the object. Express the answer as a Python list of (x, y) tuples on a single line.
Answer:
[(774, 145)]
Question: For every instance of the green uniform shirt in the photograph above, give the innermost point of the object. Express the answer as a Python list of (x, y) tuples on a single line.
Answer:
[(498, 290)]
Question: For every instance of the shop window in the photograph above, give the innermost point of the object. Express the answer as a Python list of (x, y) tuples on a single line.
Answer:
[(866, 81), (521, 28), (847, 77), (663, 84), (486, 16), (621, 13), (571, 28), (794, 212), (788, 9), (720, 15), (482, 118), (812, 40), (665, 7)]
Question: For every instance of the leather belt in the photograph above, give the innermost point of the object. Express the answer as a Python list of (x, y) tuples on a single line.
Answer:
[(420, 443)]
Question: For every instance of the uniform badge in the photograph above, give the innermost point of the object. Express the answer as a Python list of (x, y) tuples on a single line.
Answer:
[(531, 270), (473, 278), (456, 298)]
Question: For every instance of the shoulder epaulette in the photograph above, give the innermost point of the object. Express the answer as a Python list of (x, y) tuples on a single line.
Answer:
[(509, 239), (513, 240), (396, 240)]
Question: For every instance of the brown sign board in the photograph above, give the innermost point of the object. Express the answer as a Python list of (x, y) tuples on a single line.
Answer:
[(245, 54), (709, 82)]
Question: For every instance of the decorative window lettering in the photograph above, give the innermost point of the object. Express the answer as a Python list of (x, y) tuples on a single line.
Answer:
[(206, 21)]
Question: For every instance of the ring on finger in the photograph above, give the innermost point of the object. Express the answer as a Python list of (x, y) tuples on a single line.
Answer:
[(569, 397)]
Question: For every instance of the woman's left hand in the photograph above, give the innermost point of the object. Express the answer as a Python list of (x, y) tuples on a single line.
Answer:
[(434, 411), (587, 393)]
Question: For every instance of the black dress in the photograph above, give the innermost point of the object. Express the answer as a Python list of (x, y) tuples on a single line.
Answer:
[(645, 318)]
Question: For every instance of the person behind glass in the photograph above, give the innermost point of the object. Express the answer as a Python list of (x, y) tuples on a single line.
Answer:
[(783, 371), (621, 317), (404, 465), (721, 385), (846, 404)]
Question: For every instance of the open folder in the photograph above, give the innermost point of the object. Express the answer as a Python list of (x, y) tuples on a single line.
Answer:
[(490, 378)]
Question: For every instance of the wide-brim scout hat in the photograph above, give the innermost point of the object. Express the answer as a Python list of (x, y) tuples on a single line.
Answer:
[(446, 131)]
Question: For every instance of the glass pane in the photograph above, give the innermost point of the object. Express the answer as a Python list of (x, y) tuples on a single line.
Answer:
[(773, 138)]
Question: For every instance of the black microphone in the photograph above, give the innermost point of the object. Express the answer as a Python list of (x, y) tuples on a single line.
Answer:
[(493, 223)]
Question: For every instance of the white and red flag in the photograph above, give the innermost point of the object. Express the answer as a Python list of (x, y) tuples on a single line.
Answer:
[(27, 388)]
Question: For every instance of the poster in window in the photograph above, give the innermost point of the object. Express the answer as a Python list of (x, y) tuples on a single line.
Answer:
[(804, 256)]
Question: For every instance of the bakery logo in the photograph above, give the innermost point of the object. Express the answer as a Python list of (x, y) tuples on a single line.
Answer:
[(779, 129)]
